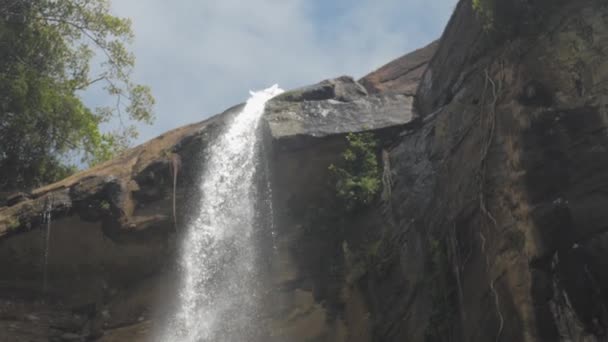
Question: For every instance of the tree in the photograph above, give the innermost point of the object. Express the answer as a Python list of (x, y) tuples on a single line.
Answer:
[(46, 51)]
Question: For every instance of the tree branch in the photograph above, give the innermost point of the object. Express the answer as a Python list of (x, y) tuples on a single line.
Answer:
[(90, 83)]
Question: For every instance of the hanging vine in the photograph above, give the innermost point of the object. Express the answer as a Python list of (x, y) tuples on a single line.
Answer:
[(175, 164), (490, 125)]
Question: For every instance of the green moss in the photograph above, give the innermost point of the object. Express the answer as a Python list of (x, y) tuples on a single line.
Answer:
[(358, 180), (105, 205), (485, 11), (13, 223)]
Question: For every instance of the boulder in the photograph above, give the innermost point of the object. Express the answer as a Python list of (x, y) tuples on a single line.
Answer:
[(296, 123)]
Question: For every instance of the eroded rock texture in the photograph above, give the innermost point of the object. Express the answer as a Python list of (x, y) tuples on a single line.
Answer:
[(498, 197)]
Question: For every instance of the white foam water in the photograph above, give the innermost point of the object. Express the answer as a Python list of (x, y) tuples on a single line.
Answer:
[(218, 296)]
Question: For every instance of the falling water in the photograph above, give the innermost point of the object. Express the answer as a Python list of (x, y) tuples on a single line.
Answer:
[(46, 220), (270, 208), (218, 294)]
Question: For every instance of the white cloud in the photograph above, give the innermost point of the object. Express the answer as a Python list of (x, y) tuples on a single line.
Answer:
[(201, 57)]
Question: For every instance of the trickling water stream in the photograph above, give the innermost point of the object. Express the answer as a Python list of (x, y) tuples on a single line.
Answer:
[(218, 294), (46, 220)]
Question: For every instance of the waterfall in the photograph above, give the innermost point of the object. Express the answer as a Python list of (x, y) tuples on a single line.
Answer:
[(218, 295)]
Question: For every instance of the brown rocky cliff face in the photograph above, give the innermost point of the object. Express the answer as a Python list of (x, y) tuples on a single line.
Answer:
[(498, 199), (401, 75)]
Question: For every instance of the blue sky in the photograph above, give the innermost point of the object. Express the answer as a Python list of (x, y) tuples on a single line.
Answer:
[(203, 56)]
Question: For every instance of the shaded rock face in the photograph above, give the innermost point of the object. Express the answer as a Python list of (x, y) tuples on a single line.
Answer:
[(491, 226), (503, 184)]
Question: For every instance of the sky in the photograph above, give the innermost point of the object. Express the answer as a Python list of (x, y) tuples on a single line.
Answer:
[(203, 56)]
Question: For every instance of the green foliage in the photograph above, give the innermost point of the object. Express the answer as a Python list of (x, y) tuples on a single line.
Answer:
[(358, 180), (46, 51), (105, 205), (485, 10)]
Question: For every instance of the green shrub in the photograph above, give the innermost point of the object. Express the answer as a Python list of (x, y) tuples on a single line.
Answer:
[(358, 180), (485, 11)]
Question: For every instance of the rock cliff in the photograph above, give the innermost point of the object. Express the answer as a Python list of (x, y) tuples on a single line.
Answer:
[(494, 149)]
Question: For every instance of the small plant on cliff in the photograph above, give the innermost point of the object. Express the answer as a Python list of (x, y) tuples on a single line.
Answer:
[(104, 205), (358, 180), (485, 12)]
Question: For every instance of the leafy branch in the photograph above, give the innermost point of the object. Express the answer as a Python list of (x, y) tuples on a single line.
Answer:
[(47, 48), (358, 179)]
